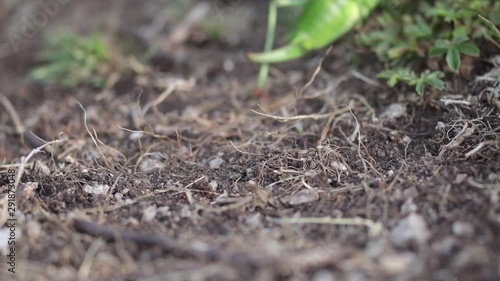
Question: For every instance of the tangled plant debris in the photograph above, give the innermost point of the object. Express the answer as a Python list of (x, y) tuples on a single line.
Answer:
[(180, 172)]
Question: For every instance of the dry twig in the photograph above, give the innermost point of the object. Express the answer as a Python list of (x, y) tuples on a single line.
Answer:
[(111, 234)]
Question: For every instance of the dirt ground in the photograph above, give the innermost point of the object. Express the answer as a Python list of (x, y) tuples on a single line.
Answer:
[(186, 173)]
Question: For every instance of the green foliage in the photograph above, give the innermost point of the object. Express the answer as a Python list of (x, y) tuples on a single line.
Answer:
[(408, 32), (453, 48), (72, 60), (409, 77)]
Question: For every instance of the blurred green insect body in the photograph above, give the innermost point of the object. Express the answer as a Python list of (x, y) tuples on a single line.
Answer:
[(321, 23)]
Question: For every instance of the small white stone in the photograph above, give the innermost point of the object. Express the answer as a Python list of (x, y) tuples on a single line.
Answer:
[(96, 188), (186, 212), (302, 197), (440, 126), (132, 221), (408, 207), (213, 185), (394, 111), (163, 211), (119, 197), (460, 178), (396, 263), (228, 65), (68, 159), (135, 135), (27, 190), (215, 163), (253, 220), (413, 228), (462, 229), (149, 213), (323, 275), (339, 166), (445, 246), (151, 164)]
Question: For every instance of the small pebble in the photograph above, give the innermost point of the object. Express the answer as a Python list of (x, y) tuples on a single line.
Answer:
[(413, 228), (462, 229), (215, 163), (213, 185), (149, 213)]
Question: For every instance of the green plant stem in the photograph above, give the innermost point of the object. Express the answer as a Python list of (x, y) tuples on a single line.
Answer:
[(271, 32)]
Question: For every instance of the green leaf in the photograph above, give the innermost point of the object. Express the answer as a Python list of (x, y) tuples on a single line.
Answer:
[(459, 35), (432, 79), (437, 83), (437, 51), (393, 76), (468, 49), (407, 32), (397, 51), (453, 59), (392, 81), (71, 59), (440, 48), (419, 29), (420, 88), (441, 44)]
